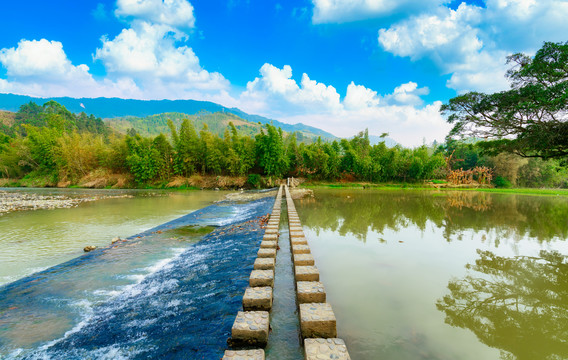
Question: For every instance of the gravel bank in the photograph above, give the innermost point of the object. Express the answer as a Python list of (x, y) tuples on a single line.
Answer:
[(14, 201)]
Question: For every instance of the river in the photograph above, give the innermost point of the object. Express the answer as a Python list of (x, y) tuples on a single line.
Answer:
[(443, 275), (35, 240), (410, 275)]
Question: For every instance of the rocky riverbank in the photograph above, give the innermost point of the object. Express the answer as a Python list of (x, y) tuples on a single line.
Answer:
[(16, 201)]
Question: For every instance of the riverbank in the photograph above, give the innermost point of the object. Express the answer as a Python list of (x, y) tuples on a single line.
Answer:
[(212, 182), (421, 187), (17, 201), (104, 180)]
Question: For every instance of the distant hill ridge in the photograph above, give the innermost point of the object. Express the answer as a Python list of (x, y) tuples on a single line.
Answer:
[(108, 108), (153, 125)]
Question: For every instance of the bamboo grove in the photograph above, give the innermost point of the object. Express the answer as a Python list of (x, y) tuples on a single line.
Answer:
[(51, 143)]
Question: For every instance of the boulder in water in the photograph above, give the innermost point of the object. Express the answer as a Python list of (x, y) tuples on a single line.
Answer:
[(89, 248), (116, 239)]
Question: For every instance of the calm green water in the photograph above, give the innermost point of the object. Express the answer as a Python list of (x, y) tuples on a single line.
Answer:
[(461, 275), (31, 241)]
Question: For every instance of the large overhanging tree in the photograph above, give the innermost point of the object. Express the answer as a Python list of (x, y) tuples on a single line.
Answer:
[(530, 119)]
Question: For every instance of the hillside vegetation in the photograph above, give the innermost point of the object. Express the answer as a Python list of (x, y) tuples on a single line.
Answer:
[(108, 108), (50, 146), (154, 125)]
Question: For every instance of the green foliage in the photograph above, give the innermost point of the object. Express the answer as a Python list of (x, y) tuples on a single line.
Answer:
[(529, 119), (53, 145), (501, 182), (143, 159), (155, 124), (52, 114), (270, 151), (253, 180)]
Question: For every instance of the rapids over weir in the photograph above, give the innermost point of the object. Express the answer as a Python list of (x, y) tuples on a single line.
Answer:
[(170, 292)]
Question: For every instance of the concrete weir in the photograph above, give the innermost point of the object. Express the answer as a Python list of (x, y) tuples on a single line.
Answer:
[(252, 326), (317, 319)]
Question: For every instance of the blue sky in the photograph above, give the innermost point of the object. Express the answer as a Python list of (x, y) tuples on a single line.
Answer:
[(340, 65)]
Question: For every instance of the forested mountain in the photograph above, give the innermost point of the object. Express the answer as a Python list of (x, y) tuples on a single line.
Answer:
[(216, 123), (107, 108)]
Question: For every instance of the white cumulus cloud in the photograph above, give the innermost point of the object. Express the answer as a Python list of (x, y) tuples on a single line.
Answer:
[(276, 90), (41, 68), (176, 13), (277, 95), (39, 58), (471, 43), (149, 54), (340, 11)]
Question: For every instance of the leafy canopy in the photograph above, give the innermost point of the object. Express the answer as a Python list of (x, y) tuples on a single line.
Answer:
[(530, 119)]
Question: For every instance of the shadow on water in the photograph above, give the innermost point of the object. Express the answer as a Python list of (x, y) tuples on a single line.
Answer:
[(170, 292)]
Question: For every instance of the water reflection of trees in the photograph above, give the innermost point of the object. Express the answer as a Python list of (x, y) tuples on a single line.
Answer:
[(518, 305), (505, 216)]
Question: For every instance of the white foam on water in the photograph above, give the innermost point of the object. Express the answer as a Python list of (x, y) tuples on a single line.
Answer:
[(173, 303), (128, 291), (238, 214)]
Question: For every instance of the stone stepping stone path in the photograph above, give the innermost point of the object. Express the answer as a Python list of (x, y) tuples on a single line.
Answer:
[(264, 264), (317, 319), (258, 298), (310, 292), (257, 354), (317, 349), (318, 325), (252, 326)]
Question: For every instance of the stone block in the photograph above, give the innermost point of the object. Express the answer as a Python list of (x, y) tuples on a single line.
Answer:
[(270, 231), (316, 349), (256, 354), (258, 298), (295, 227), (310, 292), (251, 327), (317, 320), (273, 226), (267, 244), (266, 253), (270, 237), (306, 273), (299, 241), (264, 263), (300, 249), (296, 234), (303, 260), (261, 278)]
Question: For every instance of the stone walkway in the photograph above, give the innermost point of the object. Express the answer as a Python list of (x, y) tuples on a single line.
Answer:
[(318, 325)]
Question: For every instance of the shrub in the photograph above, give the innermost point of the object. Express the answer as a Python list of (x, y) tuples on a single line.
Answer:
[(253, 180), (501, 182)]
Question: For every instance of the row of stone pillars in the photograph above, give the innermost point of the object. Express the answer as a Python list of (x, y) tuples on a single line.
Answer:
[(251, 326), (317, 320)]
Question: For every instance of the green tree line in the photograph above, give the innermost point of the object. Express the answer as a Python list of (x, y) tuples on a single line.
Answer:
[(52, 143)]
